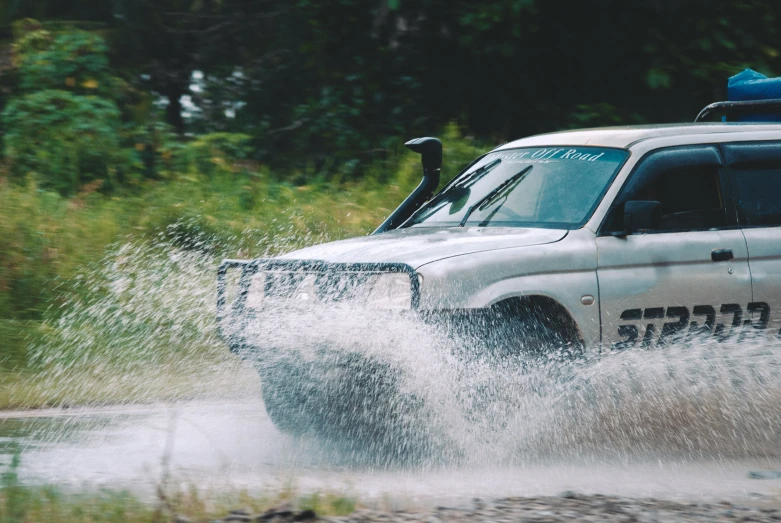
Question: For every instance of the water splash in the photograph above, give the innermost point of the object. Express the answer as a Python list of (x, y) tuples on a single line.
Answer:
[(143, 329), (140, 326), (705, 400), (688, 401)]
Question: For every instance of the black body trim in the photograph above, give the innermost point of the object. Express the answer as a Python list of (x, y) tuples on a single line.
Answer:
[(741, 107)]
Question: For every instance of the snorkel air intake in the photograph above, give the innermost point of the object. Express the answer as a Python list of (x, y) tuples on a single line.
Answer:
[(430, 150)]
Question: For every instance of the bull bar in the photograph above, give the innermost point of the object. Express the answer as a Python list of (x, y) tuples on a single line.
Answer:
[(251, 267)]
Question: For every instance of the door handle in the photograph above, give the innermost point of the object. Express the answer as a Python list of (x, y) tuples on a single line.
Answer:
[(719, 255)]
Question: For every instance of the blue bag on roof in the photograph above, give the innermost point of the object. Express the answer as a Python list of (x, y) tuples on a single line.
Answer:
[(751, 85)]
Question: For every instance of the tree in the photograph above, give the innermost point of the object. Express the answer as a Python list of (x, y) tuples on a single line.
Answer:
[(168, 40), (332, 83), (63, 125)]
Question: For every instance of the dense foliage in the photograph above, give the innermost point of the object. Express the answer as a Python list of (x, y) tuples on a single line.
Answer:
[(66, 139), (63, 124), (329, 84)]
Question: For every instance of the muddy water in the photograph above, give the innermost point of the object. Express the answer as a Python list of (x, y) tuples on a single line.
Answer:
[(234, 445)]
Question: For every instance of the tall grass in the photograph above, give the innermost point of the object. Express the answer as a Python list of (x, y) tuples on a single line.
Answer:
[(48, 242)]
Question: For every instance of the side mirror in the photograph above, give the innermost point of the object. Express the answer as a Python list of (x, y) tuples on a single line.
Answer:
[(641, 215)]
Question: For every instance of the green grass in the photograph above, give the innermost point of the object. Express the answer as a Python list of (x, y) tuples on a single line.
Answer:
[(40, 504), (23, 504), (54, 252), (174, 381), (20, 503)]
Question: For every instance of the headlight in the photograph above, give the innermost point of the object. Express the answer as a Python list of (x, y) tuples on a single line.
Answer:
[(389, 291)]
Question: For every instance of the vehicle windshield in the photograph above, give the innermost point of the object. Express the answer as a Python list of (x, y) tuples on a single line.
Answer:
[(552, 187)]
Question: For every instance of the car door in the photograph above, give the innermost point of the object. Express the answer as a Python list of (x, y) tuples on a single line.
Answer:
[(687, 276), (755, 177)]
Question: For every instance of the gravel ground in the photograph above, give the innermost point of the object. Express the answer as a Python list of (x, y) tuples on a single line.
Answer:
[(567, 507)]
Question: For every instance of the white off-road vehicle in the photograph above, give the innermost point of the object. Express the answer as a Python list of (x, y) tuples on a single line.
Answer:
[(567, 243)]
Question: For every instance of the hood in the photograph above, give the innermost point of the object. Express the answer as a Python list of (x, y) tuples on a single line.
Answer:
[(419, 246)]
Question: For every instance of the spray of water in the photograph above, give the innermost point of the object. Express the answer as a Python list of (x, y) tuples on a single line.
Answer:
[(393, 387), (696, 401), (140, 326), (399, 387)]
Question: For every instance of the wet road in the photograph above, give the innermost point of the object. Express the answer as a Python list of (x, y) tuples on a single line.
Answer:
[(234, 445)]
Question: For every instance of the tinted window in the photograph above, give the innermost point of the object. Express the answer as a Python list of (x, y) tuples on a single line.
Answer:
[(758, 195), (685, 181), (690, 198)]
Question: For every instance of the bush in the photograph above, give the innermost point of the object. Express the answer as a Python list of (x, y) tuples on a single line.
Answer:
[(151, 150), (65, 139), (64, 125), (75, 61), (214, 153)]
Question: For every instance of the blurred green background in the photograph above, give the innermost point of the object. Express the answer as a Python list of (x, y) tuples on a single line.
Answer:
[(256, 119)]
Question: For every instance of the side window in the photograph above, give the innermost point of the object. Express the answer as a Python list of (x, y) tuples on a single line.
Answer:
[(755, 176), (685, 181), (690, 197), (758, 196)]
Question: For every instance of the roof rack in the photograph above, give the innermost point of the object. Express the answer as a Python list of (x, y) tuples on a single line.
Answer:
[(738, 107)]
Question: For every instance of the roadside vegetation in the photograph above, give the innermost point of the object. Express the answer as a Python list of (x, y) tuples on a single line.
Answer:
[(77, 184), (21, 503), (37, 504), (51, 244)]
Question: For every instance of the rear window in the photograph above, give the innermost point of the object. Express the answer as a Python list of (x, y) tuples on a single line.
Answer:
[(758, 196)]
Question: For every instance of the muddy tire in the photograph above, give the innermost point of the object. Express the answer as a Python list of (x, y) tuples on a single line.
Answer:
[(283, 401), (347, 400)]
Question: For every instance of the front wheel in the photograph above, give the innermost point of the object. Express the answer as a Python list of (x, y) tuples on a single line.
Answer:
[(348, 400), (509, 352)]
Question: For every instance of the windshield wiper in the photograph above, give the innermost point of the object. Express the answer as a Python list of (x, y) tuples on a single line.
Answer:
[(473, 177), (456, 190), (510, 183)]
